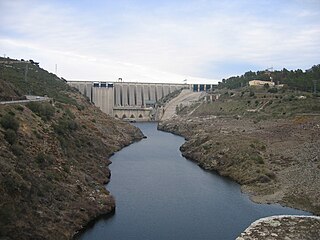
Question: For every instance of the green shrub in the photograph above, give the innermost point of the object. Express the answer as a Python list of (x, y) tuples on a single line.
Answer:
[(8, 121), (44, 160), (63, 142), (257, 158), (65, 126), (273, 90), (69, 114), (20, 108), (264, 179), (7, 213), (10, 136), (43, 110), (81, 107), (271, 174), (37, 134), (17, 149)]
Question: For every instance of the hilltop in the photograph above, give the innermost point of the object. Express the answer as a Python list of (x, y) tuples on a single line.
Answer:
[(266, 139), (54, 156)]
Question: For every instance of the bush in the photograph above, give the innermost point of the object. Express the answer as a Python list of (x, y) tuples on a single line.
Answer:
[(273, 90), (10, 136), (20, 108), (64, 126), (17, 149), (7, 213), (8, 121), (43, 110), (264, 179), (44, 160), (271, 174), (258, 159)]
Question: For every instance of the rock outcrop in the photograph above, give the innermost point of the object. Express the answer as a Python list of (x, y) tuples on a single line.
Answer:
[(283, 228)]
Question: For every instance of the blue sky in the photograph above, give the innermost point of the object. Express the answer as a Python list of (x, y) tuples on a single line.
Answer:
[(161, 41)]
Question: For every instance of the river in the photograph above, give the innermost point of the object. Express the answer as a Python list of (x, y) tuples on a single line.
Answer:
[(161, 195)]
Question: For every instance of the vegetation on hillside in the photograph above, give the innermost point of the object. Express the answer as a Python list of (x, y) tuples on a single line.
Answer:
[(265, 138), (257, 103), (34, 80), (294, 79), (53, 158)]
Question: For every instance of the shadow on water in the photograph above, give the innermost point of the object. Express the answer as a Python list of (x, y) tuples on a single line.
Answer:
[(160, 195), (90, 225)]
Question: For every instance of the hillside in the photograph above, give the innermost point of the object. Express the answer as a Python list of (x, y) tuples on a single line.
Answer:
[(294, 79), (53, 158), (268, 141)]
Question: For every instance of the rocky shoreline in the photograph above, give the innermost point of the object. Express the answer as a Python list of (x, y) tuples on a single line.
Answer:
[(52, 176), (274, 161), (283, 227)]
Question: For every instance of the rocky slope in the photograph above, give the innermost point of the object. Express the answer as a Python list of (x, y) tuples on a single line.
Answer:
[(275, 159), (53, 162)]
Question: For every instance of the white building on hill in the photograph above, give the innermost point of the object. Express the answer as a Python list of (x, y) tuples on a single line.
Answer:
[(261, 83)]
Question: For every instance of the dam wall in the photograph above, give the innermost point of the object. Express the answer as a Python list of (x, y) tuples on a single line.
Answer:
[(129, 100)]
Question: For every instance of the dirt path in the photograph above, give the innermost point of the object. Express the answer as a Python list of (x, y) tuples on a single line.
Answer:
[(185, 98)]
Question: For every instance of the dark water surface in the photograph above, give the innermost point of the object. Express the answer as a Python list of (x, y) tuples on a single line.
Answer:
[(161, 195)]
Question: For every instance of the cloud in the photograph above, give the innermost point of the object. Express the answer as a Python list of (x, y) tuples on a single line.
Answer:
[(171, 39)]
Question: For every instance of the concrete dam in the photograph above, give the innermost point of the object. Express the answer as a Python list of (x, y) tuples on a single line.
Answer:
[(128, 100)]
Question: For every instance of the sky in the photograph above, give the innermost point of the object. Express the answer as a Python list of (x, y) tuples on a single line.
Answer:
[(161, 41)]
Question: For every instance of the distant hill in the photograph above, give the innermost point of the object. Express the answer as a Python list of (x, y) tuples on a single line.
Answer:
[(298, 79)]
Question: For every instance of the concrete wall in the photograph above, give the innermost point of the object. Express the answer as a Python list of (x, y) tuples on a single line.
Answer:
[(139, 93), (103, 98), (84, 87), (117, 95), (125, 99)]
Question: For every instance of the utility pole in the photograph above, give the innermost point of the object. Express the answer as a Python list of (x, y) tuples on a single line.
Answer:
[(315, 86), (26, 74)]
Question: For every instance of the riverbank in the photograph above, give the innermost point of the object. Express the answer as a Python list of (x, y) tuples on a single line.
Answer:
[(54, 170), (151, 175), (275, 161), (53, 156)]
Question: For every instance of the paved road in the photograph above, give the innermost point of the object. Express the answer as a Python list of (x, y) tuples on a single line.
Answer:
[(186, 97), (29, 99)]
